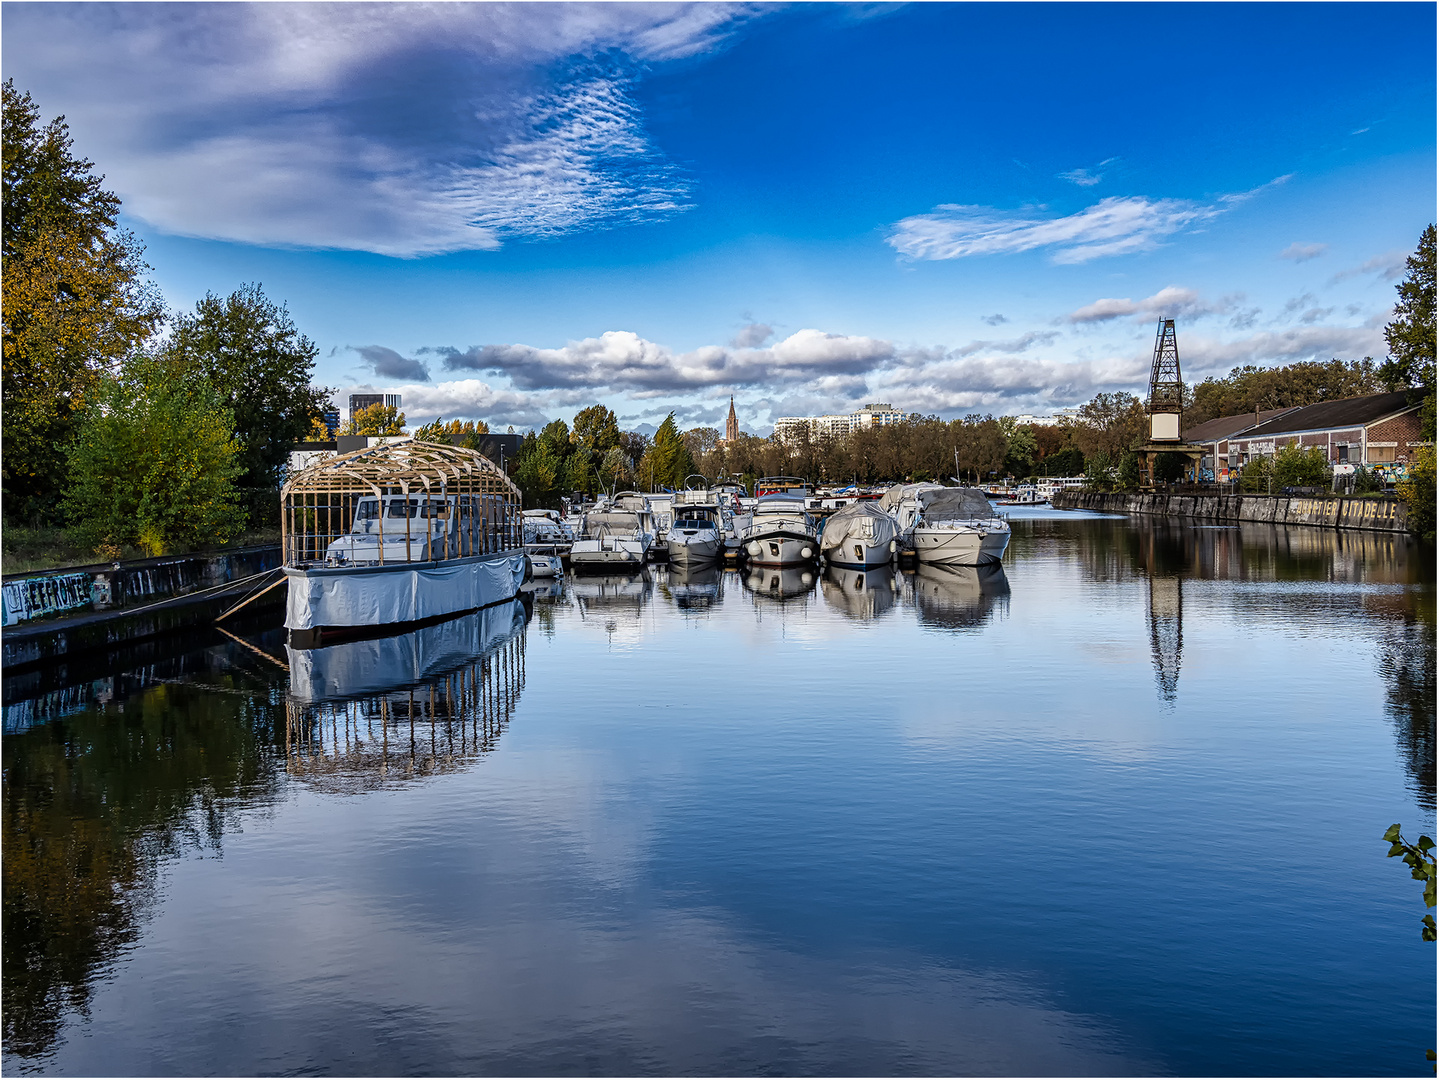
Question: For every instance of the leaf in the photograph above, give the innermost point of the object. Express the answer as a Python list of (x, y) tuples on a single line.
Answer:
[(1396, 849), (1425, 844), (1392, 835)]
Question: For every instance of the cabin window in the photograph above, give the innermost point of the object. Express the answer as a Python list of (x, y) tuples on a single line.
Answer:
[(368, 510)]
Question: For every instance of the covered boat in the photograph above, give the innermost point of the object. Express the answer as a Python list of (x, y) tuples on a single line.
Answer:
[(615, 536), (861, 536), (948, 526), (395, 534)]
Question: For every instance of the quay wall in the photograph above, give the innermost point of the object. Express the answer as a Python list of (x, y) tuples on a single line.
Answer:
[(1329, 511), (54, 615)]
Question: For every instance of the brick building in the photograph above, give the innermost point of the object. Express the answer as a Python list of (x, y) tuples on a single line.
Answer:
[(1374, 430)]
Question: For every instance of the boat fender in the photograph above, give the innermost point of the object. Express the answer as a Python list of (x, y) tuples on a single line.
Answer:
[(893, 547), (753, 547), (806, 553)]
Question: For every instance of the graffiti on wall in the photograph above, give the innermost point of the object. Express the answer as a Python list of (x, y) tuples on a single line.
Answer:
[(30, 598)]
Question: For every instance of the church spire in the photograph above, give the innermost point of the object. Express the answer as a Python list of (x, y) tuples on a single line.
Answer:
[(731, 425)]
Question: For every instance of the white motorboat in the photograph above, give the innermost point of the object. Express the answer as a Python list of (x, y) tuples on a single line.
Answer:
[(948, 526), (781, 532), (860, 536), (546, 560), (547, 527), (695, 534), (616, 536)]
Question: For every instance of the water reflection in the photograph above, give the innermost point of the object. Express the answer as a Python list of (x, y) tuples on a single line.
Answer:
[(859, 594), (780, 585), (1406, 660), (1166, 632), (960, 597), (94, 803), (612, 593), (367, 714), (695, 588)]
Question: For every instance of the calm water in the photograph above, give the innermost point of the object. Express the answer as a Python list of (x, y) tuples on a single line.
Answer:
[(1116, 809)]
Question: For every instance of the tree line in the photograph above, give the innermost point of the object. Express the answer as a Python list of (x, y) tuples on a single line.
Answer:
[(133, 426)]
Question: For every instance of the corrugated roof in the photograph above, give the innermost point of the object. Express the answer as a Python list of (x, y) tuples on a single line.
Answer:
[(1347, 412), (1223, 427)]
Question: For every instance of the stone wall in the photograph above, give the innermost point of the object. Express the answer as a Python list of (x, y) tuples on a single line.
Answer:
[(1330, 511)]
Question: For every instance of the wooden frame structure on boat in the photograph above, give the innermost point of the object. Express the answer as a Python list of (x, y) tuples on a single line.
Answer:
[(317, 504)]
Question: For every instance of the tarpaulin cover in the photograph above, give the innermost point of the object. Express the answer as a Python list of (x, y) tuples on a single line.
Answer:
[(356, 668), (860, 522), (954, 504), (399, 593)]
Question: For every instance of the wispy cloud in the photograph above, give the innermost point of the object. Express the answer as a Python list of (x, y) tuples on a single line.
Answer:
[(405, 129), (472, 399), (752, 336), (1112, 226), (1389, 266), (1303, 252), (1087, 177), (993, 320)]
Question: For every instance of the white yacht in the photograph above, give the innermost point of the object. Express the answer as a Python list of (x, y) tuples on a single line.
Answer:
[(547, 527), (695, 534), (947, 526), (781, 532), (618, 534), (860, 536), (545, 560)]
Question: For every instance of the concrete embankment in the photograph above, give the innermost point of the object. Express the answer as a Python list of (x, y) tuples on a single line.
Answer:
[(1330, 511), (58, 615)]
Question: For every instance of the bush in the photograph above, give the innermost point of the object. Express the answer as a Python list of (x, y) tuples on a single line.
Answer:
[(1418, 492), (1127, 477), (1256, 477), (1099, 473), (1296, 466), (154, 464)]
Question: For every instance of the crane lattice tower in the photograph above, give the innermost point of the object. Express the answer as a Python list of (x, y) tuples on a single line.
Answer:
[(1166, 385)]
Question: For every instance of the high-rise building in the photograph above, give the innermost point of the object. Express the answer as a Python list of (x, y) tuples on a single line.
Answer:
[(838, 425)]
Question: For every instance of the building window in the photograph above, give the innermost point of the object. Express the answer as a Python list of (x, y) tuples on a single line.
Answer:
[(1341, 453), (1381, 454)]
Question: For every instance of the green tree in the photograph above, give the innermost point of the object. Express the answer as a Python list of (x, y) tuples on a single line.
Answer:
[(1111, 423), (668, 460), (154, 463), (75, 299), (539, 470), (1298, 466), (470, 431), (1307, 382), (1021, 447), (1417, 490), (1126, 477), (248, 349), (1257, 477), (377, 419), (1099, 472), (595, 430), (1411, 334)]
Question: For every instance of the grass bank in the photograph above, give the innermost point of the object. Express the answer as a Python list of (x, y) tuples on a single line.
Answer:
[(25, 549)]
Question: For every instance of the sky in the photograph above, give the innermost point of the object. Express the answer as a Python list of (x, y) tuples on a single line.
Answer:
[(511, 212)]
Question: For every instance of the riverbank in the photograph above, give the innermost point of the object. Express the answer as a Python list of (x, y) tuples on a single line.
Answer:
[(1331, 511), (56, 616)]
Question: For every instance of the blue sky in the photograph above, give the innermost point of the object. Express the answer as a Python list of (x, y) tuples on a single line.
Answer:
[(509, 212)]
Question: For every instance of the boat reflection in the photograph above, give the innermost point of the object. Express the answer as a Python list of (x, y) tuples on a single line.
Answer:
[(612, 592), (960, 597), (860, 594), (367, 714), (776, 583), (695, 588)]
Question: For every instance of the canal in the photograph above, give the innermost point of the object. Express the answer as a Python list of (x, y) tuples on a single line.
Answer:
[(1115, 809)]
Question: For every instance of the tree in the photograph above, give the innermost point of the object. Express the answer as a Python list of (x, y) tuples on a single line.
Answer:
[(248, 349), (1099, 472), (377, 419), (1021, 449), (1411, 334), (1417, 490), (1126, 477), (1109, 423), (154, 463), (668, 461), (75, 300), (441, 432), (596, 430), (1299, 466), (1306, 382)]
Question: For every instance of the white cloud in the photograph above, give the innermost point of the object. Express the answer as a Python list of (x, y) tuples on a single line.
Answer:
[(752, 336), (1112, 226), (1201, 355), (1171, 302), (1303, 252), (1389, 266), (1087, 177), (622, 361), (471, 399), (403, 129)]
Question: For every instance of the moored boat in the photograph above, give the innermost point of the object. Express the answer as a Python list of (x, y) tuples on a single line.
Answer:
[(781, 532), (396, 534), (615, 536), (948, 526), (860, 536), (695, 534)]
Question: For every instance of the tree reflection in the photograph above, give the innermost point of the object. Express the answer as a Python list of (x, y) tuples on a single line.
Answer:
[(1406, 660), (94, 802)]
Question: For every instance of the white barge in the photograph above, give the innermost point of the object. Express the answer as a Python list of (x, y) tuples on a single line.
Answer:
[(398, 534)]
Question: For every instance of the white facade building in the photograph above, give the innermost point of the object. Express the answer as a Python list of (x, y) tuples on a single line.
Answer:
[(838, 425)]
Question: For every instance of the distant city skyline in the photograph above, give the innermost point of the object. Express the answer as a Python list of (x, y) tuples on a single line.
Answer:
[(510, 212)]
